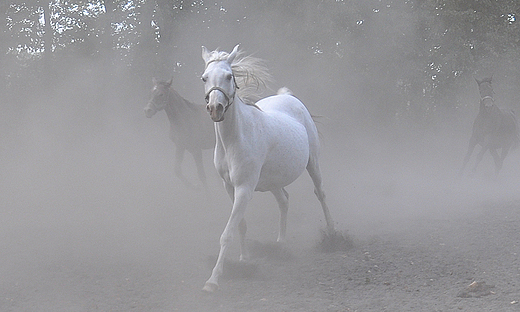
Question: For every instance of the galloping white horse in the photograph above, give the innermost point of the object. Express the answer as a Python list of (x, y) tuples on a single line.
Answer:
[(262, 147)]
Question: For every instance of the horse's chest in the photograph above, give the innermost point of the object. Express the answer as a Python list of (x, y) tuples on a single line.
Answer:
[(271, 168), (267, 156), (221, 164)]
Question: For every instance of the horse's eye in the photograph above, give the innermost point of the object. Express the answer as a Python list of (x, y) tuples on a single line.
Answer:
[(229, 76)]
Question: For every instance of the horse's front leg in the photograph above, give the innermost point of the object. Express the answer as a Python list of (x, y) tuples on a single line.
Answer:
[(177, 166), (242, 226), (497, 159), (505, 151), (479, 156), (499, 162), (471, 147), (242, 195)]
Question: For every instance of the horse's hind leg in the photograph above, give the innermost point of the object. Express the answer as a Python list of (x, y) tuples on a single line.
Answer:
[(242, 229), (314, 171), (282, 197)]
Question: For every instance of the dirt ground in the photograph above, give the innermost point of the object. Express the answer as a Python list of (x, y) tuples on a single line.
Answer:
[(107, 230)]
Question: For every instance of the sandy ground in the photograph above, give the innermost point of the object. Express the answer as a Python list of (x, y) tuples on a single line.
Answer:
[(108, 230)]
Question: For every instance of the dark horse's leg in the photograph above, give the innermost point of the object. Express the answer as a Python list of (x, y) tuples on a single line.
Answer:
[(503, 155), (179, 157), (479, 156), (471, 147), (497, 159), (197, 156)]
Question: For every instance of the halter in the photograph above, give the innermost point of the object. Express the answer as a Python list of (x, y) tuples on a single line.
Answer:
[(487, 97), (167, 99), (230, 99)]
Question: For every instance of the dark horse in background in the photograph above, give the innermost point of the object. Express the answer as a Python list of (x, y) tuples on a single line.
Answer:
[(493, 129), (190, 129)]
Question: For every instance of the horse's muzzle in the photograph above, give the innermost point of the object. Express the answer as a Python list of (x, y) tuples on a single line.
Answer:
[(216, 112), (149, 112)]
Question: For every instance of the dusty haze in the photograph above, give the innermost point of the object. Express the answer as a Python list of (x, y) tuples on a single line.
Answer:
[(91, 207)]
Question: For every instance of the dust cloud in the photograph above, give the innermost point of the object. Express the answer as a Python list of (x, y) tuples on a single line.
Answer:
[(88, 185)]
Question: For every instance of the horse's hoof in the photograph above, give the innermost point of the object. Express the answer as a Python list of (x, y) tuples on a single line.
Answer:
[(280, 239), (210, 287)]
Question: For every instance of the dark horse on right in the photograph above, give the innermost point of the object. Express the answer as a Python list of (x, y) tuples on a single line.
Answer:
[(493, 129)]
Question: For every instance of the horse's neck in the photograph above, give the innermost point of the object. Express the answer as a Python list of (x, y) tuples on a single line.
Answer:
[(490, 116), (177, 107), (238, 121)]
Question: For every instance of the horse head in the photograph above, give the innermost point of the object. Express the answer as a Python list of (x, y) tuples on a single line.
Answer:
[(219, 82), (486, 90), (160, 97)]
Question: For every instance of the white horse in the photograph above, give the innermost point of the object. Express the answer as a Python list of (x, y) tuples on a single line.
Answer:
[(262, 147)]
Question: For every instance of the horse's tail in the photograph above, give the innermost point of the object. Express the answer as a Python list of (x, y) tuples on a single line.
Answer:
[(315, 118), (284, 90), (516, 139)]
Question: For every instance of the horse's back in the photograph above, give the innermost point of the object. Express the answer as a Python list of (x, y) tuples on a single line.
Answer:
[(496, 127), (289, 105), (286, 104)]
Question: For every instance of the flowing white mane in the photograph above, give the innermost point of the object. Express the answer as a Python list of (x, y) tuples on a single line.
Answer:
[(251, 75)]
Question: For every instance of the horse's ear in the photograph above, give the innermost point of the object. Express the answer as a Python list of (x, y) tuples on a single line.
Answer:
[(169, 83), (478, 81), (233, 54), (205, 54)]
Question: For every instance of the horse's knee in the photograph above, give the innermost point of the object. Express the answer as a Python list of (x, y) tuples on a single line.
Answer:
[(242, 227), (226, 238), (319, 193), (286, 194)]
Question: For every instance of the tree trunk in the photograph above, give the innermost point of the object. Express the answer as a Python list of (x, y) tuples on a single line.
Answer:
[(47, 69)]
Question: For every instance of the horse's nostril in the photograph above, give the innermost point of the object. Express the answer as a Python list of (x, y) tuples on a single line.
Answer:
[(149, 112), (208, 108)]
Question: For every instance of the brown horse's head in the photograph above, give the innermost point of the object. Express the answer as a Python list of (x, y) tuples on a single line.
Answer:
[(160, 97), (485, 88)]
